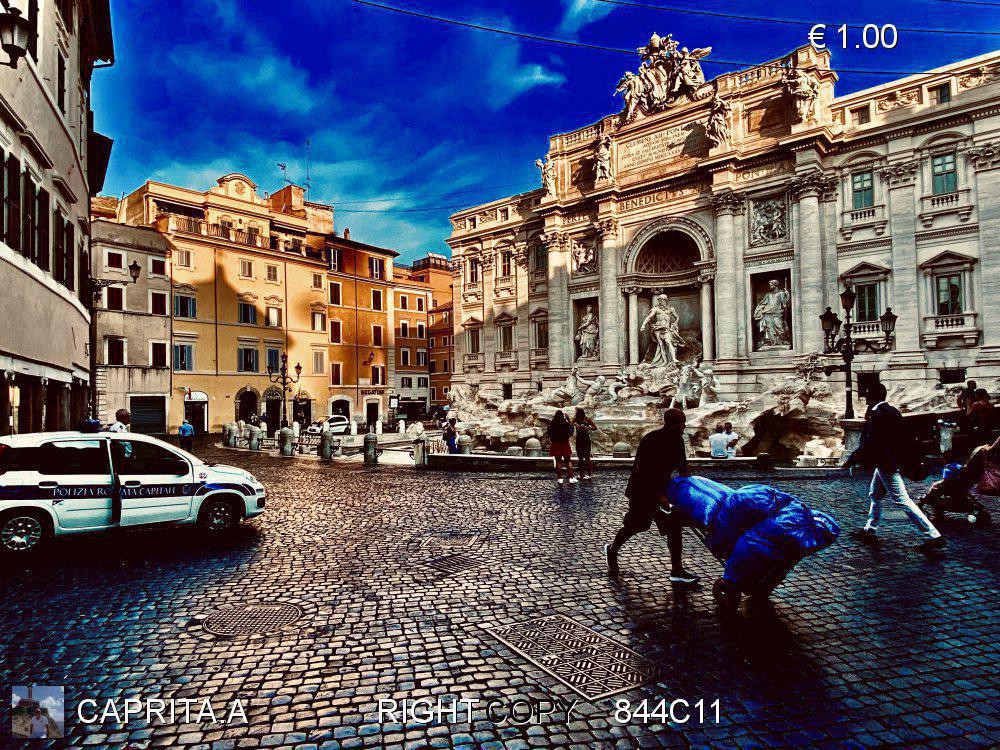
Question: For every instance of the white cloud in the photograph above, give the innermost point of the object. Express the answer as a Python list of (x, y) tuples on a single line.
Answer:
[(15, 698), (54, 705), (580, 13), (508, 77)]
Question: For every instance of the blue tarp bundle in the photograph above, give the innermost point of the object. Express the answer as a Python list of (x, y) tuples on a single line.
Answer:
[(759, 531)]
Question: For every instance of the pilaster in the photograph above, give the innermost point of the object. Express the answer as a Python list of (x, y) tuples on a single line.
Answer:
[(560, 335), (985, 161), (610, 297), (807, 190), (726, 206)]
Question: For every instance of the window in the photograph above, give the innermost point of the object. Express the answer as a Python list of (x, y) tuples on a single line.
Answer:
[(420, 304), (271, 273), (115, 351), (541, 334), (862, 192), (74, 457), (376, 268), (158, 354), (420, 330), (421, 382), (406, 382), (432, 367), (334, 293), (184, 258), (133, 457), (404, 329), (319, 321), (421, 357), (506, 391), (404, 357), (473, 270), (61, 82), (247, 359), (951, 376), (376, 335), (336, 333), (336, 259), (114, 298), (403, 302), (335, 376), (866, 307), (432, 344), (378, 377), (949, 294), (158, 303), (273, 357), (861, 115), (445, 368), (157, 267), (247, 313), (471, 222), (504, 214), (317, 281), (944, 177), (115, 260), (185, 306), (506, 263), (472, 338), (376, 299), (941, 94), (433, 393), (272, 317), (183, 357), (505, 338), (246, 269), (319, 363), (253, 234)]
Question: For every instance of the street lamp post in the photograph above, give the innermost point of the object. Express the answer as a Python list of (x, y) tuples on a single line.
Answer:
[(15, 32), (847, 346), (97, 287), (282, 378)]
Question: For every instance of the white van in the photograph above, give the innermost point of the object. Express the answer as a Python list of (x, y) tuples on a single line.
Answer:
[(56, 483)]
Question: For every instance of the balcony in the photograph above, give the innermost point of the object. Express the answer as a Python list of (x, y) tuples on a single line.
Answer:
[(505, 359), (188, 225), (473, 361), (934, 207), (870, 217), (939, 328), (870, 329), (539, 355)]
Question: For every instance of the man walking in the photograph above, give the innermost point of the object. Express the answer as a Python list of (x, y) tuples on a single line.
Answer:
[(879, 453), (660, 453), (186, 434)]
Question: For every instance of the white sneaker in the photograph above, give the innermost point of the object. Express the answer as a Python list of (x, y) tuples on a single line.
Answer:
[(560, 481), (573, 480), (588, 477)]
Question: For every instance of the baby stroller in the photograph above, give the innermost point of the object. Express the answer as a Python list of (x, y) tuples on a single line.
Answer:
[(757, 532), (953, 494)]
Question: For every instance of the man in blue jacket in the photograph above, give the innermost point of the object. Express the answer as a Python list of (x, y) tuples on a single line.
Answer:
[(880, 453)]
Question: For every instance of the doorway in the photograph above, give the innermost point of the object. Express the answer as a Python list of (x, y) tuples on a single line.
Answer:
[(246, 405), (371, 413), (272, 414), (342, 407), (196, 412), (302, 411)]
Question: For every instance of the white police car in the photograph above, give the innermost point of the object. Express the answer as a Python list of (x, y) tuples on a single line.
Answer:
[(57, 483)]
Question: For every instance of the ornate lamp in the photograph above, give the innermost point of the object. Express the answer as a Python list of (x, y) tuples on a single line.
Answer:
[(888, 322), (134, 269), (831, 326), (15, 32), (847, 298)]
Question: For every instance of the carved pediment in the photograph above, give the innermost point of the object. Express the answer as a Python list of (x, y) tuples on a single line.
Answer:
[(505, 317), (540, 312), (865, 268), (247, 297), (472, 322), (948, 258)]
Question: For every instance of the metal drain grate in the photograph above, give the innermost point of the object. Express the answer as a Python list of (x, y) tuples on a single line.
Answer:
[(451, 564), (585, 661), (251, 619)]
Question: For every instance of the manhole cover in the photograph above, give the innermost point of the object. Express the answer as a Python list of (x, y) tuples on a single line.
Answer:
[(582, 659), (451, 564), (251, 619)]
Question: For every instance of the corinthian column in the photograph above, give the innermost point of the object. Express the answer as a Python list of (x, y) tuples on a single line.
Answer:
[(607, 235), (726, 206), (985, 159), (809, 249), (707, 318), (560, 336)]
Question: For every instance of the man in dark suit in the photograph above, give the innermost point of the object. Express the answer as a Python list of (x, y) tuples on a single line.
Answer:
[(880, 453), (660, 453)]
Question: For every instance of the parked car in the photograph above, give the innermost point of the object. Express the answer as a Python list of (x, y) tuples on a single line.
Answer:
[(338, 424), (59, 483)]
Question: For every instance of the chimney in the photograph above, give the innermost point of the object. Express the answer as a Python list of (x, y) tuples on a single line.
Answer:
[(347, 233)]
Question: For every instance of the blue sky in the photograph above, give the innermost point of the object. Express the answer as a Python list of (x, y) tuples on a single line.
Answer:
[(406, 115)]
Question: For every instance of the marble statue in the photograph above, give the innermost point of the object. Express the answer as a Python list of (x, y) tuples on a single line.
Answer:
[(548, 172), (770, 316), (687, 388), (663, 324), (624, 386), (767, 221), (596, 389), (709, 385), (718, 129), (666, 73), (602, 162), (588, 335), (803, 89), (584, 258)]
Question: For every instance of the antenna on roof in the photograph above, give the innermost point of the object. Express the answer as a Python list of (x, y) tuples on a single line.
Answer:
[(284, 172), (308, 180)]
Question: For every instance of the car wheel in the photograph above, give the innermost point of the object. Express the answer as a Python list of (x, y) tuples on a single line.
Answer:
[(218, 516), (22, 532)]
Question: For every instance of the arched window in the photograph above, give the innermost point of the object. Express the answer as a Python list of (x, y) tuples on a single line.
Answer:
[(667, 252)]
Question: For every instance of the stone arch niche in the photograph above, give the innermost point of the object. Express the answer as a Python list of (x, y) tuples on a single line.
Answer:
[(670, 257)]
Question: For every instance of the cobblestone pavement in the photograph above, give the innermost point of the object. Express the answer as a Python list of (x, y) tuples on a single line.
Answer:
[(864, 648)]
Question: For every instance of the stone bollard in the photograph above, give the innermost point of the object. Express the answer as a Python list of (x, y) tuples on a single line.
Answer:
[(533, 447), (464, 444), (378, 426), (515, 450), (421, 449), (326, 445), (354, 427), (622, 450), (286, 439), (402, 427), (229, 434), (764, 462), (371, 449), (263, 428), (255, 433)]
